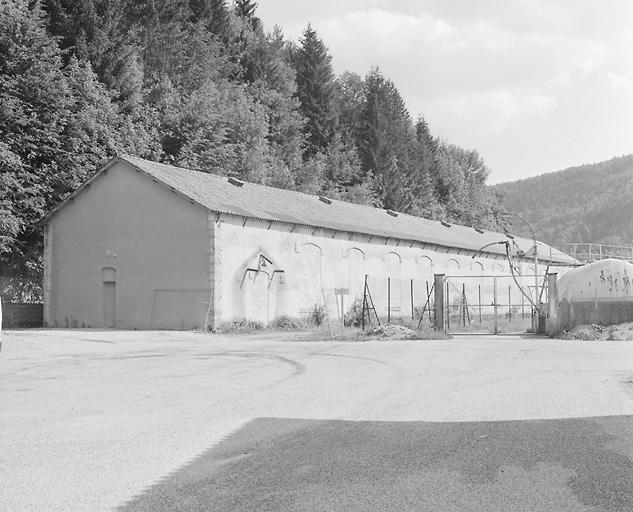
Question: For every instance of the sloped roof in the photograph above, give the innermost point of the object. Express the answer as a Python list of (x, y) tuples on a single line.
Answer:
[(215, 193)]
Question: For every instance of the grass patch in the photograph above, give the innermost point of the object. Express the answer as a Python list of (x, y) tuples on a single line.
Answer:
[(516, 324), (304, 329), (355, 334)]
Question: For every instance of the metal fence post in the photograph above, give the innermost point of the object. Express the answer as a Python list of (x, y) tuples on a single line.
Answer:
[(365, 308), (388, 300), (509, 303), (551, 322), (448, 307), (464, 304), (439, 302), (494, 303), (479, 293)]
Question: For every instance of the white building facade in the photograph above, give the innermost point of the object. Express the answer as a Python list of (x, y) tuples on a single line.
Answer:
[(144, 245)]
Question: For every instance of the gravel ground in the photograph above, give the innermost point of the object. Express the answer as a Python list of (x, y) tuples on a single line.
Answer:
[(96, 420)]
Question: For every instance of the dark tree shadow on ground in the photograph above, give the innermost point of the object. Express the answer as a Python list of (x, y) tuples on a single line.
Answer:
[(274, 464)]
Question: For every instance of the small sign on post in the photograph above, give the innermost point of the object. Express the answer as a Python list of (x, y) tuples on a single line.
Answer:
[(342, 292)]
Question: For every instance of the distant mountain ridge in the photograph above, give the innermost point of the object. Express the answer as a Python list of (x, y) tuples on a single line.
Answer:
[(588, 203)]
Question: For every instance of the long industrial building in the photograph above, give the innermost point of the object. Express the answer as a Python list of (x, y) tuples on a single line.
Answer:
[(145, 245)]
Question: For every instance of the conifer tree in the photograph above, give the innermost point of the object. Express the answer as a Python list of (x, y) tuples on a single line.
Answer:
[(349, 100), (214, 14), (95, 31), (385, 140), (424, 153), (315, 90), (246, 9)]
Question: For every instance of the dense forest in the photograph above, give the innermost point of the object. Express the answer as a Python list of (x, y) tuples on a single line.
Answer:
[(201, 84), (590, 203)]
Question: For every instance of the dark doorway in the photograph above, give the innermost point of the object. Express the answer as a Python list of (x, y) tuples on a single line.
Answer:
[(109, 297)]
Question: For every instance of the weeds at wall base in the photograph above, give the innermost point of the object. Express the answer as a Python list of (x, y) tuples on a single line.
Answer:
[(598, 332)]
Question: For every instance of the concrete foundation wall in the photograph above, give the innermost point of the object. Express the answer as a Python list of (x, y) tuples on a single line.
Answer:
[(115, 244), (604, 312)]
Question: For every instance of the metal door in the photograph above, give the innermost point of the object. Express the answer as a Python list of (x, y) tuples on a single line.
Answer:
[(109, 304)]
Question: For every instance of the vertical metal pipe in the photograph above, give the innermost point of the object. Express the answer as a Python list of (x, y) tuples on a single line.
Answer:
[(448, 305), (509, 303), (428, 294), (388, 300), (479, 292), (494, 303), (342, 312), (362, 322), (412, 312), (464, 304), (536, 294)]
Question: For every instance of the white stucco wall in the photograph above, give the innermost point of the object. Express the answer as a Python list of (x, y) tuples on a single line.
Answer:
[(313, 259), (151, 237)]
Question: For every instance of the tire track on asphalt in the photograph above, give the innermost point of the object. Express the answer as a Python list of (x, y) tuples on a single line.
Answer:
[(298, 368)]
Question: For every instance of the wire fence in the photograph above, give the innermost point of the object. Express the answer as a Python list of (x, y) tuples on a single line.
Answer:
[(492, 304), (401, 300), (472, 304), (587, 252)]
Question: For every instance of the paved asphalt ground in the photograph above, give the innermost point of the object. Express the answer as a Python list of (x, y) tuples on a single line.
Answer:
[(160, 421)]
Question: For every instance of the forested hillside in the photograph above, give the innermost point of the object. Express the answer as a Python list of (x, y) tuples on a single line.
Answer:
[(203, 84), (589, 203)]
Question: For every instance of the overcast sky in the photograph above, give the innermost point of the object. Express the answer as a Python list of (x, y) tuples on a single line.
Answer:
[(534, 85)]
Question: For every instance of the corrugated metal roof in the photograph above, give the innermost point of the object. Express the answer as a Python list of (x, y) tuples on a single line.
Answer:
[(216, 194), (262, 202)]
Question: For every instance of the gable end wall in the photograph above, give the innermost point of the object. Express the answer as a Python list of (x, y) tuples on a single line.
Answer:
[(156, 242)]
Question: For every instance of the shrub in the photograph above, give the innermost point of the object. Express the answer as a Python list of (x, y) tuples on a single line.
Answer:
[(317, 317), (354, 316), (287, 323), (241, 326)]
